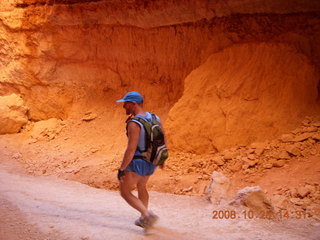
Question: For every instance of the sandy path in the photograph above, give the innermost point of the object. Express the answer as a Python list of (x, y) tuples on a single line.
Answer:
[(51, 208)]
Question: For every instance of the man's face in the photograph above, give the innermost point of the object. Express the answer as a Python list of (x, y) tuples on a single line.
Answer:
[(128, 106)]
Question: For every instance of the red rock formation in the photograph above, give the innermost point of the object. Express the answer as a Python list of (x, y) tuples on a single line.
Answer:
[(243, 94), (66, 56)]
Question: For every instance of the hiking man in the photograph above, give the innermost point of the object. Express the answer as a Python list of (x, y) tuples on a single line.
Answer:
[(134, 170)]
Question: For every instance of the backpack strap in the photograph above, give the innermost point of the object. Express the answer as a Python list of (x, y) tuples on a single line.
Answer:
[(154, 119), (147, 128)]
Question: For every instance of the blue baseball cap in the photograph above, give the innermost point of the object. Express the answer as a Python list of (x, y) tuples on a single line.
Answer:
[(132, 97)]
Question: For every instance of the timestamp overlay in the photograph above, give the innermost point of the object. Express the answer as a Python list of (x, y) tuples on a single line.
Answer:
[(268, 215)]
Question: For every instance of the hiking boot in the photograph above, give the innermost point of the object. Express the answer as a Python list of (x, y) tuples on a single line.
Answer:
[(140, 223), (147, 222), (150, 220)]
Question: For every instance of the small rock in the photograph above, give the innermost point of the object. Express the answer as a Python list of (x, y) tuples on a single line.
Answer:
[(297, 201), (313, 152), (257, 145), (306, 121), (249, 162), (236, 166), (89, 117), (302, 137), (305, 152), (316, 124), (206, 177), (187, 189), (218, 161), (229, 155), (190, 170), (267, 165), (284, 155), (94, 150), (278, 163), (259, 151), (245, 166), (293, 150), (279, 200), (196, 165), (316, 137), (314, 210), (287, 138), (17, 155), (250, 151), (310, 129), (304, 191)]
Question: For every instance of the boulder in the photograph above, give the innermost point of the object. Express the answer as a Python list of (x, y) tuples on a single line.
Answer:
[(219, 188), (253, 198), (46, 129), (13, 114)]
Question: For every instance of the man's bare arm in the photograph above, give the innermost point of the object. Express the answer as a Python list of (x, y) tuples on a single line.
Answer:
[(133, 139)]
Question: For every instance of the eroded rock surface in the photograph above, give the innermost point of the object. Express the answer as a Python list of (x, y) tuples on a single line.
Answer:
[(13, 114), (208, 63)]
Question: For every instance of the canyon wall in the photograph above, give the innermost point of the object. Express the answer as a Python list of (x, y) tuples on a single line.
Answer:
[(220, 73)]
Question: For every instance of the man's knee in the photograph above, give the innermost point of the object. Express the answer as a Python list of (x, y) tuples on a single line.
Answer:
[(142, 185), (124, 190), (124, 193)]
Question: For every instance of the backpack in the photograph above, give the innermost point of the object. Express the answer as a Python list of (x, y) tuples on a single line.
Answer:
[(156, 150)]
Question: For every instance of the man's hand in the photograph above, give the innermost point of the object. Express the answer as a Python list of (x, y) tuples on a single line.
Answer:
[(161, 166), (120, 174)]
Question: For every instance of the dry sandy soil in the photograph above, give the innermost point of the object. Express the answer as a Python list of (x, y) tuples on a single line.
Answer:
[(51, 208), (34, 206)]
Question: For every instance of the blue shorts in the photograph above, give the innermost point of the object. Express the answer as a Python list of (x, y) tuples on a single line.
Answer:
[(141, 167)]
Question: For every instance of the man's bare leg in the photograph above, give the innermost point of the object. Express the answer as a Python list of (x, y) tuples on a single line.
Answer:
[(143, 194), (130, 180)]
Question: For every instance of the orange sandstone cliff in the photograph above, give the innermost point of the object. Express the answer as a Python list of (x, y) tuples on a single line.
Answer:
[(224, 73), (221, 74)]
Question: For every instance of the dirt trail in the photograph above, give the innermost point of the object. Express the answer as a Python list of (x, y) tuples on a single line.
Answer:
[(52, 208)]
